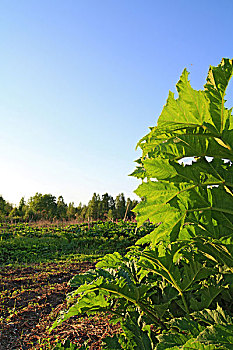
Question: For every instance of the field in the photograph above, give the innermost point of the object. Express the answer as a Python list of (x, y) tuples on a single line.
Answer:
[(36, 264), (174, 289)]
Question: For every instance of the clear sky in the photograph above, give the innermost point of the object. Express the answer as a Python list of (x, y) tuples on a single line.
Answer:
[(81, 81)]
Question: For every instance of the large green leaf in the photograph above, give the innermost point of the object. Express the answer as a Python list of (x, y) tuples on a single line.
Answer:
[(196, 124), (213, 317), (216, 251), (191, 108), (112, 343), (109, 261), (217, 81), (193, 344), (100, 289), (218, 334), (185, 277), (135, 336), (170, 340), (203, 298), (90, 303), (191, 334)]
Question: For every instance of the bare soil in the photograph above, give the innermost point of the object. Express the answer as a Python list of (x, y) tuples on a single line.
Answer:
[(31, 298)]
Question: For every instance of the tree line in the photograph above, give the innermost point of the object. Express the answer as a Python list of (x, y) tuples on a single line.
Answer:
[(48, 207)]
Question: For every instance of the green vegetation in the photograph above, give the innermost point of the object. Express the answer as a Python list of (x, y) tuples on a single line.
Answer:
[(174, 288), (47, 207), (22, 243)]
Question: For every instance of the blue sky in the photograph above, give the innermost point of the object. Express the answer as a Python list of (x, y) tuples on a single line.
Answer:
[(81, 82)]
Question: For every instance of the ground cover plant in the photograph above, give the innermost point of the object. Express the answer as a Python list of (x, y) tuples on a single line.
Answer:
[(22, 242), (174, 288)]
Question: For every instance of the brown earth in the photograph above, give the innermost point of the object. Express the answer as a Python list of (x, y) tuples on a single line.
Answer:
[(31, 298)]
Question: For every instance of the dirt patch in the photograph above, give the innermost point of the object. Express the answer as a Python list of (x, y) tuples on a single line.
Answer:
[(31, 299)]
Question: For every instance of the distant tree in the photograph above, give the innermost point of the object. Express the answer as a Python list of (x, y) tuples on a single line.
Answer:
[(22, 204), (111, 203), (2, 204), (5, 208), (84, 213), (49, 204), (79, 210), (44, 205), (111, 215), (31, 215), (61, 208), (129, 215), (120, 206), (48, 207), (100, 210), (14, 214), (93, 207), (107, 203), (104, 201), (35, 207), (22, 207), (71, 211)]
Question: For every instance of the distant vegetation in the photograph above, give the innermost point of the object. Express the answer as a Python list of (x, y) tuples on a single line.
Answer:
[(26, 243), (48, 207)]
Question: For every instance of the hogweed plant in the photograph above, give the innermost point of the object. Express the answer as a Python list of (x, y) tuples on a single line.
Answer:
[(174, 288)]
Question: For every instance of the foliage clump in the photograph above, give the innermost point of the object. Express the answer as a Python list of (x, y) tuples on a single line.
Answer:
[(174, 288)]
